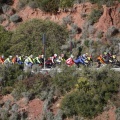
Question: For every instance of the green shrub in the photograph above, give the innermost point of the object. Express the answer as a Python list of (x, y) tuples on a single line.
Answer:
[(14, 116), (51, 6), (48, 5), (22, 3), (75, 29), (4, 114), (67, 20), (7, 104), (83, 15), (85, 28), (9, 77), (27, 39), (102, 2), (95, 15), (2, 18), (112, 31), (10, 74), (31, 86), (91, 30), (80, 103), (59, 115), (93, 90), (32, 4), (86, 43), (99, 34), (117, 113), (5, 8), (15, 18), (79, 1), (65, 81), (7, 90), (66, 3), (5, 37), (93, 1)]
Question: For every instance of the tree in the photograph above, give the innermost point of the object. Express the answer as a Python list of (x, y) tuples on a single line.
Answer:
[(5, 37), (27, 39), (48, 5)]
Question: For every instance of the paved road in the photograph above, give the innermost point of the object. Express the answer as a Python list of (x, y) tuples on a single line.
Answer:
[(47, 70)]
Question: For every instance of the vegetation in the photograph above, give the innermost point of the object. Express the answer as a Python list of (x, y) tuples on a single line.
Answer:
[(65, 81), (15, 18), (22, 3), (5, 37), (51, 6), (48, 5), (30, 36), (84, 92), (66, 3), (2, 18), (94, 16), (31, 86), (101, 2), (8, 77), (45, 5), (93, 90)]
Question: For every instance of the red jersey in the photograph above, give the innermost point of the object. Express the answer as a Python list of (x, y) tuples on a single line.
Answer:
[(69, 62)]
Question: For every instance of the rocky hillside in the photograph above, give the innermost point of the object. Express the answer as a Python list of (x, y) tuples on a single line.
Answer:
[(79, 15), (84, 21), (69, 95)]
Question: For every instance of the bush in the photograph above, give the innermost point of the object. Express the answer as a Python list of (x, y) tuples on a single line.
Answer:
[(9, 75), (75, 30), (51, 6), (59, 115), (99, 34), (102, 2), (85, 28), (5, 8), (5, 37), (93, 90), (7, 90), (32, 4), (83, 15), (117, 113), (67, 20), (95, 15), (79, 103), (48, 5), (14, 116), (2, 18), (66, 3), (15, 18), (86, 43), (27, 39), (112, 31), (91, 30), (79, 1), (65, 80), (22, 3), (31, 86), (4, 114), (10, 2)]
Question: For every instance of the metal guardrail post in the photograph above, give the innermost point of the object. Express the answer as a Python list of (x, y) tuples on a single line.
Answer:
[(44, 48)]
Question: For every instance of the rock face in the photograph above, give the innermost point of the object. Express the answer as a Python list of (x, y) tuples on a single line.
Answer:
[(110, 17)]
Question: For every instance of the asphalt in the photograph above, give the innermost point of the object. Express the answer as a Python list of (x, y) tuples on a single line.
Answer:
[(47, 70)]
